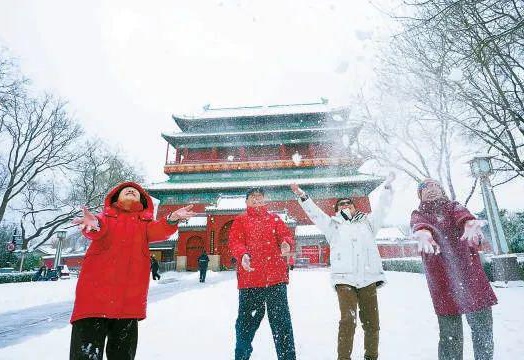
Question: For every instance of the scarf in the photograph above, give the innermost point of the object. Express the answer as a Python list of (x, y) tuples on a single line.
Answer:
[(358, 216)]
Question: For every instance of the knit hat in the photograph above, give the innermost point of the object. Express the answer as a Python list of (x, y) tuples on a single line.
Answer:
[(425, 183)]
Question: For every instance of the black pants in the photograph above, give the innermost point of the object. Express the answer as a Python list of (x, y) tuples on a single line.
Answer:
[(252, 305), (203, 271), (156, 275), (450, 345), (89, 335)]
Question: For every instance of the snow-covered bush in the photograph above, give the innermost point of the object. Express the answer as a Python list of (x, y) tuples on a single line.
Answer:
[(16, 277), (413, 265)]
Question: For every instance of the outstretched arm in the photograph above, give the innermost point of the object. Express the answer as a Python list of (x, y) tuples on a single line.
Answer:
[(472, 232), (163, 228), (423, 232), (92, 227)]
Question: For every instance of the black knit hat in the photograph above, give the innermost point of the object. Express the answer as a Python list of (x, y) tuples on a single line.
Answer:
[(255, 190)]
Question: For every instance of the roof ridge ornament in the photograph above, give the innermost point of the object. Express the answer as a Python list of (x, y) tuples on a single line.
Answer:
[(208, 107)]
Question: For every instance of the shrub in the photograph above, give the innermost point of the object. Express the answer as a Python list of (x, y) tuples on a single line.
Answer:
[(16, 277), (413, 265)]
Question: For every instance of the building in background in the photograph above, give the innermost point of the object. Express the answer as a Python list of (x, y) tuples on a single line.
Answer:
[(221, 153)]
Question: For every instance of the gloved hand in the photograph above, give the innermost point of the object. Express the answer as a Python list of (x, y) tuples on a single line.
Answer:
[(426, 243)]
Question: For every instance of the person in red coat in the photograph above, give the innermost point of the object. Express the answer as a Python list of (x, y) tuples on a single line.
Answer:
[(111, 293), (449, 237), (261, 242)]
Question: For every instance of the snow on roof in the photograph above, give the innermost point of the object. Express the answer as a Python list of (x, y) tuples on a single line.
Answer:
[(263, 183), (284, 109), (46, 249), (390, 233), (195, 221), (285, 217), (233, 133), (307, 230), (229, 202), (173, 237)]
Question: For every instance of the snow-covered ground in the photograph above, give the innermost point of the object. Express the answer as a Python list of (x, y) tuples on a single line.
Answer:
[(198, 323)]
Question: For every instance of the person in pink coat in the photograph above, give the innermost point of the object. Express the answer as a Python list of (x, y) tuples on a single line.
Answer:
[(449, 237)]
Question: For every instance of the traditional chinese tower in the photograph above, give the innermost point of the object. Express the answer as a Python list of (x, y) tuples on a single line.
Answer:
[(222, 152)]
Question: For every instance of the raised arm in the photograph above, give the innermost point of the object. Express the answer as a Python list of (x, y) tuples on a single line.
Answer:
[(379, 211), (315, 214)]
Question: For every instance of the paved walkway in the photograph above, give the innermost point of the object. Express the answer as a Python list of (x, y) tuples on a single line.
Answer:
[(17, 326)]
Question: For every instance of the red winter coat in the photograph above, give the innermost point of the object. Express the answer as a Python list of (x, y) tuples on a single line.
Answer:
[(456, 280), (259, 234), (114, 279)]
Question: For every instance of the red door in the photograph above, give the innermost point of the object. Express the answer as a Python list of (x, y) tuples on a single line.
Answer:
[(194, 247), (223, 246)]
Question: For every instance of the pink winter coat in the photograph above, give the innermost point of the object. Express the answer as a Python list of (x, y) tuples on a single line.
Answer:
[(456, 280)]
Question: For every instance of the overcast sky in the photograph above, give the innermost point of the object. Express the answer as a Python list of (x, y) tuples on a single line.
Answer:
[(126, 66)]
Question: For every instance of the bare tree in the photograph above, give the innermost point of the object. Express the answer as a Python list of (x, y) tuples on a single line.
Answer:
[(53, 205), (483, 40), (38, 139), (410, 120)]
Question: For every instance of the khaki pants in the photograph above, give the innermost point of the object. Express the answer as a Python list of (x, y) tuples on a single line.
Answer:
[(366, 299)]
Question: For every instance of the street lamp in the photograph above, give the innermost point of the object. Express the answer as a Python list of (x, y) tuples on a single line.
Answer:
[(505, 267), (60, 235), (481, 168)]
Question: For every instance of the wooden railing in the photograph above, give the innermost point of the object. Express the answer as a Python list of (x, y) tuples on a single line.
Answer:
[(258, 165)]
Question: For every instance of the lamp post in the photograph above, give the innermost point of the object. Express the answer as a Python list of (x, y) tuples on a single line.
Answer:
[(60, 235), (505, 266)]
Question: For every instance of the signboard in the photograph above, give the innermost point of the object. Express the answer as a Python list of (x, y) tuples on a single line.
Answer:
[(11, 246)]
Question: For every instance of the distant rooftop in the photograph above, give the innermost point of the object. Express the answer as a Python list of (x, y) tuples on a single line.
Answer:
[(307, 231), (229, 202), (211, 112), (270, 117), (195, 221), (390, 233)]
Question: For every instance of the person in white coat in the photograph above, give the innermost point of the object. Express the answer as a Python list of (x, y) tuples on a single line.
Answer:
[(356, 266)]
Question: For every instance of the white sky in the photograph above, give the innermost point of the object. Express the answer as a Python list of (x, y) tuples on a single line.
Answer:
[(126, 66)]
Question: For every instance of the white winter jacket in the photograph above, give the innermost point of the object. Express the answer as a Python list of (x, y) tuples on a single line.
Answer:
[(354, 255)]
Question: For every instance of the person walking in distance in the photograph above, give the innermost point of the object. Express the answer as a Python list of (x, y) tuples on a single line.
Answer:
[(154, 268), (203, 261)]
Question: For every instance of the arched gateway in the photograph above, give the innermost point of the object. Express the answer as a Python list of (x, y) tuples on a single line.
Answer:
[(226, 259)]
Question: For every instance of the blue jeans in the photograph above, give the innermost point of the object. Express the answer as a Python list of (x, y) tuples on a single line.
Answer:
[(252, 305)]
